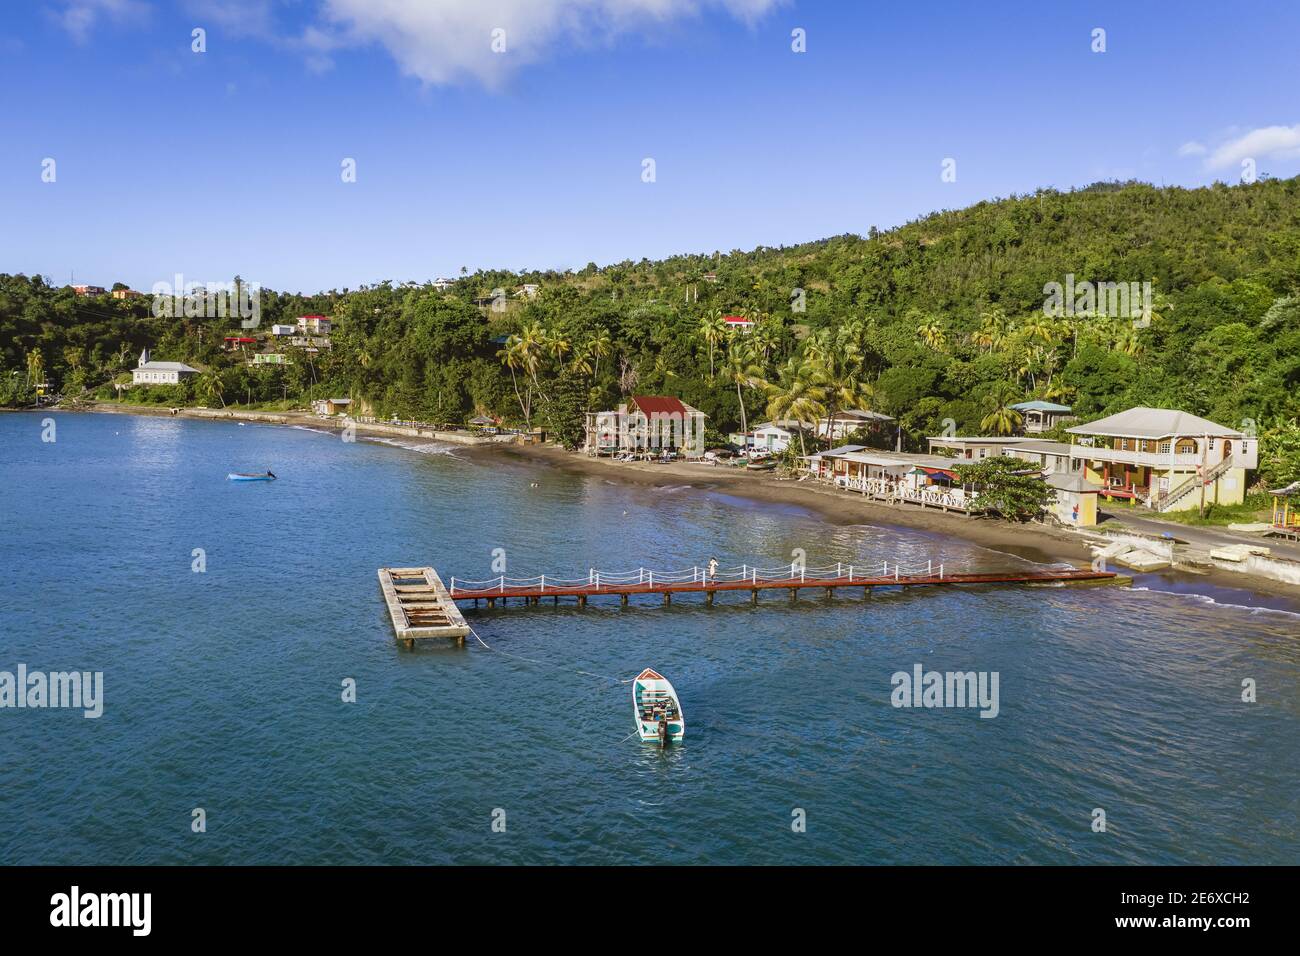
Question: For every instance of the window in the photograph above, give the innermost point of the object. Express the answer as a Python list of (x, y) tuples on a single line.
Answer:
[(1164, 447)]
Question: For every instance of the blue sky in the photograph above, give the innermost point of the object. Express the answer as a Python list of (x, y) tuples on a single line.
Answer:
[(228, 161)]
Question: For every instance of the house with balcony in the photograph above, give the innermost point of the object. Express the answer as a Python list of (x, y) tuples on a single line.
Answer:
[(1038, 416), (647, 424), (1165, 459), (314, 325), (1051, 457)]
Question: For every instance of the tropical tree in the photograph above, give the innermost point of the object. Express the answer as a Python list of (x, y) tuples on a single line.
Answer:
[(931, 331), (1001, 417), (837, 368), (713, 330), (795, 394), (599, 346), (210, 386), (35, 368), (740, 370), (1005, 486), (513, 356)]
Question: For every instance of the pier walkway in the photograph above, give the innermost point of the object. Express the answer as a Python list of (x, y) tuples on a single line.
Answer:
[(699, 580)]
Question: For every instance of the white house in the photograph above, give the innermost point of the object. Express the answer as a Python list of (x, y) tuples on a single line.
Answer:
[(775, 437), (314, 324), (975, 448), (1052, 457), (148, 372), (849, 421), (278, 329)]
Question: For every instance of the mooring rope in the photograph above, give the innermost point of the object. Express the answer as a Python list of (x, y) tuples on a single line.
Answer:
[(532, 660)]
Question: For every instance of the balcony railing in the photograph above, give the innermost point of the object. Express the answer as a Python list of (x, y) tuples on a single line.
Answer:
[(1148, 459)]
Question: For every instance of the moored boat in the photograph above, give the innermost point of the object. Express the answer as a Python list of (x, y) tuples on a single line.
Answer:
[(245, 476), (656, 709)]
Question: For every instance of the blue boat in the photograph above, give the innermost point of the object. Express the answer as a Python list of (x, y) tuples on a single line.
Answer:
[(242, 476)]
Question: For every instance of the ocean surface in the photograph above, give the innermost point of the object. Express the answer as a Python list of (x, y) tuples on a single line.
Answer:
[(223, 688)]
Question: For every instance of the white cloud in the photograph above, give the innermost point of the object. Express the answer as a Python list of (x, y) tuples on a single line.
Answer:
[(1191, 148), (79, 17), (236, 17), (447, 41), (1274, 142)]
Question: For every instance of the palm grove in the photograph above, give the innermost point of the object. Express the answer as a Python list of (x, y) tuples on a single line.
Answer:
[(938, 319)]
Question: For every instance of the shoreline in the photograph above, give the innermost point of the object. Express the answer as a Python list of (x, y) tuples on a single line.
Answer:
[(1031, 542)]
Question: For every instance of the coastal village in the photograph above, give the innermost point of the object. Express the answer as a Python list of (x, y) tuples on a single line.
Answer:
[(1146, 461)]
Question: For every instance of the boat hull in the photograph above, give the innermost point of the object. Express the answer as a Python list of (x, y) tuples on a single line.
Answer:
[(650, 689), (234, 477)]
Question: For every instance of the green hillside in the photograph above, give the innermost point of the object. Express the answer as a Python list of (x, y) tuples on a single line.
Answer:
[(940, 318)]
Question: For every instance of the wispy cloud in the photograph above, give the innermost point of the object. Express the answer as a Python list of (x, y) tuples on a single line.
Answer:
[(1192, 148), (1268, 142), (80, 17), (449, 41), (253, 18)]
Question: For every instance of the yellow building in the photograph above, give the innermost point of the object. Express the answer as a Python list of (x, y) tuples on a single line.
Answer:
[(1076, 500), (1165, 459)]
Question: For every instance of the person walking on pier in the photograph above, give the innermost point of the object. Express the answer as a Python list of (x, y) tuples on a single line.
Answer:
[(713, 567)]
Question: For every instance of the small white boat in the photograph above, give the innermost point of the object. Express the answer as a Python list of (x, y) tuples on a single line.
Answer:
[(656, 709)]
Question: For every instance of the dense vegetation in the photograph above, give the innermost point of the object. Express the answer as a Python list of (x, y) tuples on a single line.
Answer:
[(939, 319)]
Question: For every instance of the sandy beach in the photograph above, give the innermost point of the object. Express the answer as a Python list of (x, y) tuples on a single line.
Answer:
[(1031, 541)]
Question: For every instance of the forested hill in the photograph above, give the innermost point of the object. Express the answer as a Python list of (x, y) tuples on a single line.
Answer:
[(940, 318)]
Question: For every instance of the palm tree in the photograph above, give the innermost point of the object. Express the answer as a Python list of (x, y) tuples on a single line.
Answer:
[(530, 348), (713, 329), (210, 387), (1038, 326), (35, 368), (1001, 416), (555, 345), (838, 371), (740, 370), (932, 333), (795, 395), (599, 346), (991, 335), (512, 357)]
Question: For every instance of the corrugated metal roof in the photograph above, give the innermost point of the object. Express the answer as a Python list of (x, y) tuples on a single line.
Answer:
[(1038, 405), (659, 405), (166, 367), (1143, 422)]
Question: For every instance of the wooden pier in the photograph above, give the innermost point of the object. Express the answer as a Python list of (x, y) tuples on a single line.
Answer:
[(420, 605), (701, 581)]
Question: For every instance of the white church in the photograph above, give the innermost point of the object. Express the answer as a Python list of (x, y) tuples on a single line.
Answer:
[(148, 372)]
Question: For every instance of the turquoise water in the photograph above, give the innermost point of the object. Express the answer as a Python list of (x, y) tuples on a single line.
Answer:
[(223, 689)]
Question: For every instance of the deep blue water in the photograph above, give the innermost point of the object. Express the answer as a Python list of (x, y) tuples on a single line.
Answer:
[(223, 689)]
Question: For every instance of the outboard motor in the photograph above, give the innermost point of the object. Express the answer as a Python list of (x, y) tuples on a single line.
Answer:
[(663, 731)]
